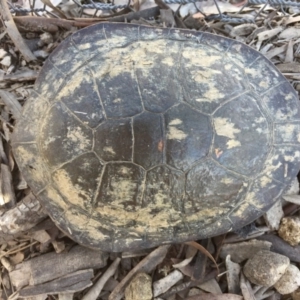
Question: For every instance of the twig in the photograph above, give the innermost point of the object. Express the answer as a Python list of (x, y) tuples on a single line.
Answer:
[(95, 291), (13, 32), (146, 265)]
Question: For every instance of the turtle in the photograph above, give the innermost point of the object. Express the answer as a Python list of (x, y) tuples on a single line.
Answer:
[(135, 136)]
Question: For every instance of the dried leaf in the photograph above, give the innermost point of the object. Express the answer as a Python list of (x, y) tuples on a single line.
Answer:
[(289, 57), (292, 198), (246, 288), (290, 33), (215, 297), (204, 251), (265, 35), (211, 286), (289, 67), (183, 263)]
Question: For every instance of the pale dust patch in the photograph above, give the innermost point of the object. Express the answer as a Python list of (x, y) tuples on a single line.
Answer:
[(75, 82), (77, 220), (213, 93), (243, 207), (93, 230), (200, 57), (121, 190), (109, 150), (292, 158), (77, 136), (227, 180), (264, 84), (73, 192), (224, 127), (259, 120), (26, 156), (141, 55), (206, 75), (254, 72), (204, 214), (56, 198), (289, 96), (49, 140), (264, 181), (168, 61), (175, 122), (232, 144), (272, 165), (176, 134), (228, 67)]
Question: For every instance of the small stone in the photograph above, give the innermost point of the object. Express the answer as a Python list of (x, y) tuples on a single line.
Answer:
[(289, 230), (241, 251), (3, 53), (266, 268), (289, 281), (46, 38), (139, 288), (6, 61), (41, 54)]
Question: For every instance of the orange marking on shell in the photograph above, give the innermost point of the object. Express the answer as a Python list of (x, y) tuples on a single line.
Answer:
[(218, 152), (160, 146)]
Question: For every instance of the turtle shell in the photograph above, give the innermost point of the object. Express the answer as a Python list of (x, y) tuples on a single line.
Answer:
[(136, 136)]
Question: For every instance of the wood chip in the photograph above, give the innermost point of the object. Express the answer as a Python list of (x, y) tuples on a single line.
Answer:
[(95, 291), (246, 288), (243, 29), (265, 35), (69, 283), (146, 265), (276, 51), (7, 195), (239, 252), (215, 297), (289, 57), (274, 215), (289, 67), (41, 236), (165, 283), (167, 17), (12, 103), (51, 265), (233, 275)]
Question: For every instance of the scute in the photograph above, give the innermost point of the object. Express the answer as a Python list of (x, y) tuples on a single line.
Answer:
[(188, 136), (149, 141), (114, 140), (63, 137), (212, 192), (282, 102), (78, 180), (208, 77), (137, 136), (244, 134), (121, 186), (74, 95)]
